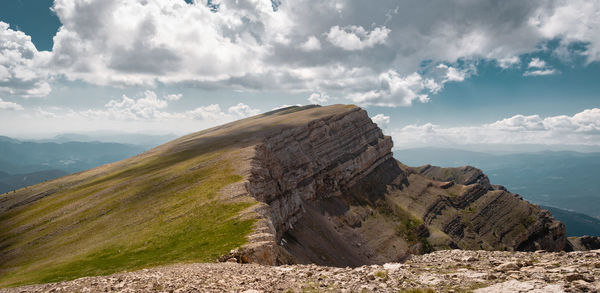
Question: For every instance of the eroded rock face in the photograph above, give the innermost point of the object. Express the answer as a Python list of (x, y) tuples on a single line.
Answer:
[(494, 217), (332, 194), (315, 161)]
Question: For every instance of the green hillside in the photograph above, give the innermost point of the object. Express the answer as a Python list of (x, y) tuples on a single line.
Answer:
[(163, 206)]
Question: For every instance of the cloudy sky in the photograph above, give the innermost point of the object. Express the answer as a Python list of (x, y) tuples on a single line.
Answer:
[(431, 73)]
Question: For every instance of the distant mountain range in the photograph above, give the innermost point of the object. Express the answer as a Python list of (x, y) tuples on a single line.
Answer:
[(139, 139), (10, 182), (565, 182), (24, 163)]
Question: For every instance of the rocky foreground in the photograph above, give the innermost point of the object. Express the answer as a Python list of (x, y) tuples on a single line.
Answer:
[(441, 271)]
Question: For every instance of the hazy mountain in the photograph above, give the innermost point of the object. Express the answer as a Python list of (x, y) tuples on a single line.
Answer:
[(24, 163), (145, 140), (10, 182), (577, 224), (18, 157)]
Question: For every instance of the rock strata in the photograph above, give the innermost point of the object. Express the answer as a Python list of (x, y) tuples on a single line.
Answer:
[(584, 243), (441, 271), (332, 194)]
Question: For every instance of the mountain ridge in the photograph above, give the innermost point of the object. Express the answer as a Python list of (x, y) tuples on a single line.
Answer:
[(297, 185)]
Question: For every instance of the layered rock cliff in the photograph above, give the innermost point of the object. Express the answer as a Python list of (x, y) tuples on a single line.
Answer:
[(332, 194)]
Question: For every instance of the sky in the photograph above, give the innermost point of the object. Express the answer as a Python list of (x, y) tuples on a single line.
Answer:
[(429, 73)]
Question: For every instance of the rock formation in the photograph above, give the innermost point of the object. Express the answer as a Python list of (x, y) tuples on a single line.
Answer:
[(334, 195), (584, 243)]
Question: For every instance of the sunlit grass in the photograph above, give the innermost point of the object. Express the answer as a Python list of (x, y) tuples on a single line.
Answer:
[(150, 214)]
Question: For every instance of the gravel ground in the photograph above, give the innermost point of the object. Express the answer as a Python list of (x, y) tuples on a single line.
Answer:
[(442, 271)]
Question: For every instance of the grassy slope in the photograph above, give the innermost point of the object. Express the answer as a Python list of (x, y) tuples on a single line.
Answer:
[(160, 207)]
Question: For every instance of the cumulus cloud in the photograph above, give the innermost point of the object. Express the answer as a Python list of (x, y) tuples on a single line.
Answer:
[(381, 120), (312, 44), (354, 37), (242, 110), (396, 90), (536, 63), (210, 112), (5, 105), (541, 72), (508, 62), (149, 107), (20, 65), (572, 22), (373, 53), (539, 68), (173, 97), (318, 98), (582, 128)]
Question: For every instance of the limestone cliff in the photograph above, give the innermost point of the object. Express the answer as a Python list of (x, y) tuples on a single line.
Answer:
[(334, 195)]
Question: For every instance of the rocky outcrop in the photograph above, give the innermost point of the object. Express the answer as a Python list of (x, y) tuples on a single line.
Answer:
[(332, 194), (584, 243), (496, 218), (315, 161), (465, 175)]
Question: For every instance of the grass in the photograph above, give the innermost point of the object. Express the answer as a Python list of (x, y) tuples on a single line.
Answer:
[(406, 226), (428, 290), (382, 275), (157, 211)]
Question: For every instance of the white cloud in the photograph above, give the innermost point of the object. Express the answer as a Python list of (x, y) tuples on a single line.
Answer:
[(354, 37), (5, 105), (536, 63), (246, 45), (540, 72), (20, 65), (318, 98), (285, 106), (148, 107), (539, 68), (508, 62), (381, 120), (312, 44), (139, 42), (173, 97), (210, 112), (242, 110), (519, 123), (452, 73), (572, 21), (395, 90), (580, 129)]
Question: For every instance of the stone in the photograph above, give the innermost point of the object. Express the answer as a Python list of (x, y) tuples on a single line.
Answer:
[(511, 266), (573, 277), (418, 273)]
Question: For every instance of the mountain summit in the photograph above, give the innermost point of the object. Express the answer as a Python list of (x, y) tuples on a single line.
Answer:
[(296, 185)]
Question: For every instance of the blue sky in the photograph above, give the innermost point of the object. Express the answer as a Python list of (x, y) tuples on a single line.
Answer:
[(431, 74)]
